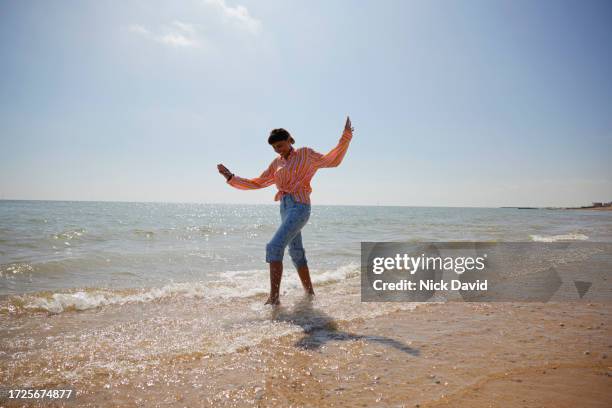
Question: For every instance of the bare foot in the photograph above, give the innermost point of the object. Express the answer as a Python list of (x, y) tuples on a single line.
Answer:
[(272, 301), (308, 297)]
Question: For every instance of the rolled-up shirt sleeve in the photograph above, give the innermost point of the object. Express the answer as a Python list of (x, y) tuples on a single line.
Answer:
[(264, 180), (335, 156)]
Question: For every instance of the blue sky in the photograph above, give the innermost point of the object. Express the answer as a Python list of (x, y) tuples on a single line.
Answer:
[(463, 103)]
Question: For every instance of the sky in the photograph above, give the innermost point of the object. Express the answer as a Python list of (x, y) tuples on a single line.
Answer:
[(463, 103)]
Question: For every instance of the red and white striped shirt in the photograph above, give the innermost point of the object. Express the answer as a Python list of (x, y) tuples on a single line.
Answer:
[(293, 174)]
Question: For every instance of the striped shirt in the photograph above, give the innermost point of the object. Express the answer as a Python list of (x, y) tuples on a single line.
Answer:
[(293, 174)]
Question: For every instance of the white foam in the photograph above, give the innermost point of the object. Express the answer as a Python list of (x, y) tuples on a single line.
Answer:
[(556, 238), (81, 300), (344, 272), (233, 284)]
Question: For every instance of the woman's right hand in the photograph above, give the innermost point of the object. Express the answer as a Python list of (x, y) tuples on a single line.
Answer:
[(224, 171), (348, 127)]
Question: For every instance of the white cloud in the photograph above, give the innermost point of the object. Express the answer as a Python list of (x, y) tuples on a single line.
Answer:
[(181, 34), (238, 16), (176, 34)]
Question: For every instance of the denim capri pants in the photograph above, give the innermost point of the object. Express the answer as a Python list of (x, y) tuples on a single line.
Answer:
[(294, 216)]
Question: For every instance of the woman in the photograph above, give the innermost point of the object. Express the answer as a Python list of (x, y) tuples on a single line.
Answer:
[(291, 171)]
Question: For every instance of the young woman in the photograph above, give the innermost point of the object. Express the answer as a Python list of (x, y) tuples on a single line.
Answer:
[(291, 171)]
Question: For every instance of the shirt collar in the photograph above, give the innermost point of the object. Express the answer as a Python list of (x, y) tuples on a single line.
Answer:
[(291, 154)]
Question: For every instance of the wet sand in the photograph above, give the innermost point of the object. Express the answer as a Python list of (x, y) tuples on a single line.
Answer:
[(452, 354)]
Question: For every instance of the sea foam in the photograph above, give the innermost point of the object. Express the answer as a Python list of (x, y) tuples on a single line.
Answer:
[(556, 238), (232, 284)]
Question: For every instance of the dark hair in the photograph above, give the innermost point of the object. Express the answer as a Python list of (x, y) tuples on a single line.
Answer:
[(276, 135)]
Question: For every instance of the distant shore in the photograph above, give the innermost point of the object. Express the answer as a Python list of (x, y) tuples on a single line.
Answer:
[(607, 208)]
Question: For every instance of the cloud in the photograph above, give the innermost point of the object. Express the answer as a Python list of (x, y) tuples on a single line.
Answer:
[(176, 34), (181, 34), (238, 16)]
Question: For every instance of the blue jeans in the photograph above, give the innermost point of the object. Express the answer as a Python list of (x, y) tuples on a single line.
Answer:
[(294, 216)]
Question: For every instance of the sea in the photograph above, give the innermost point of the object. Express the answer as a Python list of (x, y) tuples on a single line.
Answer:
[(70, 255)]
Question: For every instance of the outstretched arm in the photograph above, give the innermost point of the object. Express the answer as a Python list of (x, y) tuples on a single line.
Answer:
[(335, 156), (264, 180)]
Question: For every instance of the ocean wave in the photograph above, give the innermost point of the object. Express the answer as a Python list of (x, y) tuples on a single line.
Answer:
[(61, 266), (234, 284), (15, 268), (193, 231), (70, 234), (143, 233), (92, 298), (556, 238)]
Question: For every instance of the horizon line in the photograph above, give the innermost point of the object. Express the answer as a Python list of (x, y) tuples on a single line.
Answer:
[(337, 205)]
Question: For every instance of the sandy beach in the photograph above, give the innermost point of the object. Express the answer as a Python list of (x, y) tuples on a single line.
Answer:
[(471, 355), (396, 355), (468, 355)]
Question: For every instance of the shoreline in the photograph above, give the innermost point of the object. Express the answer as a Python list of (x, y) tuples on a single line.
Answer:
[(436, 355)]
